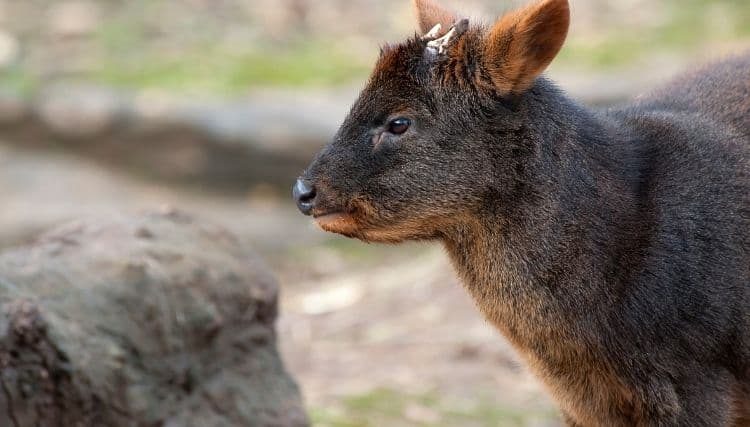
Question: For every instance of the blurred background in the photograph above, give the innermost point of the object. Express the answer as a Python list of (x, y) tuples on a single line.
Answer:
[(214, 107)]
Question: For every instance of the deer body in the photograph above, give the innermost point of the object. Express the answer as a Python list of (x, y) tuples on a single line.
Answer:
[(611, 248), (629, 281)]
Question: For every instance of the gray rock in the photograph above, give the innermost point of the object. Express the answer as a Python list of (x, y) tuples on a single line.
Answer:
[(153, 320)]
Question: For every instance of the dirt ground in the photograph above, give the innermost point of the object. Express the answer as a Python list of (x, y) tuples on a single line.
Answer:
[(375, 335), (404, 327)]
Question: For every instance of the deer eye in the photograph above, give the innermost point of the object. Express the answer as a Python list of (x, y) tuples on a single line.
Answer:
[(399, 126)]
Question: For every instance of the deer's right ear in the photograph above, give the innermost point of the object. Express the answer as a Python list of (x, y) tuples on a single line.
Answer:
[(430, 14)]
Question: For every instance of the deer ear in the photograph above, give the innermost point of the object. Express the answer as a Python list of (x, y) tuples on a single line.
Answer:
[(430, 14), (522, 44)]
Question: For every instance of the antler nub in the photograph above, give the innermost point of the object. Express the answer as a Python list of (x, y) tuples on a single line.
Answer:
[(438, 46), (433, 33)]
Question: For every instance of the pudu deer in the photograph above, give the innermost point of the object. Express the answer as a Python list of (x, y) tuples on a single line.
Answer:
[(611, 248)]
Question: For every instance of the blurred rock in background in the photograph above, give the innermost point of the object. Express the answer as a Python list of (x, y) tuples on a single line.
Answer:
[(151, 320)]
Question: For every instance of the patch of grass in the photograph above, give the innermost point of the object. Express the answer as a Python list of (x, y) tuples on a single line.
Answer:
[(213, 70), (605, 54), (17, 80), (129, 51), (393, 408), (689, 25)]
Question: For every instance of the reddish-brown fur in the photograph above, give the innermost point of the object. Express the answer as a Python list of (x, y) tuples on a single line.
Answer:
[(523, 43)]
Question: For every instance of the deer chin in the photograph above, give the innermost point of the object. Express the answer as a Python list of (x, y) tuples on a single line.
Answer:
[(362, 224), (369, 231), (347, 225), (338, 222)]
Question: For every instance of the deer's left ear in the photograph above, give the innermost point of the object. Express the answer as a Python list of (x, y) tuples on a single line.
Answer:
[(429, 14), (522, 44)]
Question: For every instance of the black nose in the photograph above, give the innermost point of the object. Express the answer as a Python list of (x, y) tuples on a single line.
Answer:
[(304, 195)]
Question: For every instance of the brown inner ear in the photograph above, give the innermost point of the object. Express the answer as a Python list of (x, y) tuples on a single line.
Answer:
[(522, 44), (430, 14)]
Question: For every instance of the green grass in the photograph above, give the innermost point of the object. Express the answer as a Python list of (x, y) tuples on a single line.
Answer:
[(690, 26), (17, 80), (126, 59), (230, 72), (387, 407), (126, 54)]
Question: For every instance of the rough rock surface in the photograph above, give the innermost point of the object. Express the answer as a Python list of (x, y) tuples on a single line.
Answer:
[(156, 320)]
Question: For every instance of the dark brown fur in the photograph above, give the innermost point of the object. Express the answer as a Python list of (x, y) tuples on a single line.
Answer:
[(611, 248)]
